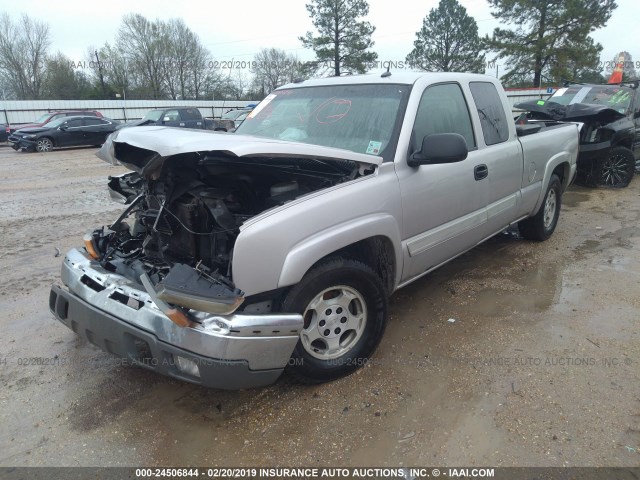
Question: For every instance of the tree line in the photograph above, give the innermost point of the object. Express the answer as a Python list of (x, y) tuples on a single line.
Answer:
[(542, 42)]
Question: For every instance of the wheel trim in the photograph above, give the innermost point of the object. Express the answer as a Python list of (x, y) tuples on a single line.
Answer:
[(614, 170), (43, 145), (550, 206), (334, 322)]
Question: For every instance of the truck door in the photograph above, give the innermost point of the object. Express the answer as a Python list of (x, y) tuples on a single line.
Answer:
[(443, 206), (171, 118), (505, 161)]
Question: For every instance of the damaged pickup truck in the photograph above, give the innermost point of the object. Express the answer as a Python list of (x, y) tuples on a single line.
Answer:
[(276, 248), (610, 138)]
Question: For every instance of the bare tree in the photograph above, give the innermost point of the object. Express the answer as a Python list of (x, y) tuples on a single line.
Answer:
[(201, 72), (23, 55), (143, 45), (186, 62), (273, 68)]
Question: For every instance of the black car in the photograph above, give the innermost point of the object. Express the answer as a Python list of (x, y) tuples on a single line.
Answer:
[(610, 136), (183, 117), (64, 132), (4, 132)]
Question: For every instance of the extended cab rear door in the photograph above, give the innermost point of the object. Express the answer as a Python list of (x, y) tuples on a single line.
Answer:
[(501, 154), (444, 205)]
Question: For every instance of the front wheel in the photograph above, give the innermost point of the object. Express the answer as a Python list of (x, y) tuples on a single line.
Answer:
[(44, 145), (543, 223), (344, 306), (617, 170)]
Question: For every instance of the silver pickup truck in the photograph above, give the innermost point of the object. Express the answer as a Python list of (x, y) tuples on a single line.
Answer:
[(276, 248)]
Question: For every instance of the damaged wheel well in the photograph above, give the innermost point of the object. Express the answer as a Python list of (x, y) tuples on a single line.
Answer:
[(376, 252)]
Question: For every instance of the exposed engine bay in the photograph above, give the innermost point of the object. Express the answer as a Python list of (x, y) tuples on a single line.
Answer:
[(180, 228)]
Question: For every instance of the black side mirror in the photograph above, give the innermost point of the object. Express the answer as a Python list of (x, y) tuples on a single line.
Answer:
[(62, 128), (440, 148)]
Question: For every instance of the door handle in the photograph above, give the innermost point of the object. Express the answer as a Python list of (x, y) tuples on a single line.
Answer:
[(480, 172)]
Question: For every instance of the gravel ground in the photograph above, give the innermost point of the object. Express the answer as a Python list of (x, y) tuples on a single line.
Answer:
[(538, 368)]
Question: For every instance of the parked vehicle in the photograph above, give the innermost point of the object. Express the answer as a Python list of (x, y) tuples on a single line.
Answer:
[(64, 132), (5, 130), (610, 138), (45, 118), (237, 116), (184, 117), (276, 248)]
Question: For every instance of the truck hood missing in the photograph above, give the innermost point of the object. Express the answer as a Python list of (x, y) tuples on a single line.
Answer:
[(144, 149), (576, 112)]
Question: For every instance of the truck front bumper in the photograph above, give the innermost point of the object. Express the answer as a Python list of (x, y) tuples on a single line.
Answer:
[(117, 315)]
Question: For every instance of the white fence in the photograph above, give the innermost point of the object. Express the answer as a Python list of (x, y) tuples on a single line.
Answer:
[(16, 112)]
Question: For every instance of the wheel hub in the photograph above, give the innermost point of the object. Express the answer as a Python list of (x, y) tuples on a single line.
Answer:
[(334, 322), (550, 208)]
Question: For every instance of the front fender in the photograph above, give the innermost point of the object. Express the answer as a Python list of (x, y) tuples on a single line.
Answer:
[(307, 252)]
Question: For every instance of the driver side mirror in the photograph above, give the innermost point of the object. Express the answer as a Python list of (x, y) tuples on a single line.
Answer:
[(165, 119), (63, 127), (440, 148)]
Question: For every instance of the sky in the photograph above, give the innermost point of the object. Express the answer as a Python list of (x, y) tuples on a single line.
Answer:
[(238, 34)]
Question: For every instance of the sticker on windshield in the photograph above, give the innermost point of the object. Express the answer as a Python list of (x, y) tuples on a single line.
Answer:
[(540, 102), (261, 105), (374, 147)]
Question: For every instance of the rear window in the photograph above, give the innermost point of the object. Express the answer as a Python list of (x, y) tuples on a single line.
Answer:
[(190, 114), (492, 117)]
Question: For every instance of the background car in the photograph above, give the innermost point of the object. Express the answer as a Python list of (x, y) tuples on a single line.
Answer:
[(610, 136), (237, 116), (183, 117), (64, 132), (45, 118), (4, 132)]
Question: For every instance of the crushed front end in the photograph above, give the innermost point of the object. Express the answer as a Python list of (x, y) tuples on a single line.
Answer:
[(156, 288)]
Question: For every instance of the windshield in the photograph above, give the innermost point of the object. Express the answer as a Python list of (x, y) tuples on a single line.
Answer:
[(153, 115), (360, 118), (613, 96)]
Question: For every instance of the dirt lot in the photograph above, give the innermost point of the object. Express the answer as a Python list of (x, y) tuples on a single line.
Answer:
[(540, 366)]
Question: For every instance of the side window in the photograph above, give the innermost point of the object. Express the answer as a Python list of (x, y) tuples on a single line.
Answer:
[(74, 122), (443, 109), (190, 114), (93, 121), (171, 116), (492, 117)]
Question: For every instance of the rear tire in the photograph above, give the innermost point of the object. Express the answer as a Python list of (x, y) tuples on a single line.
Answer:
[(616, 171), (542, 225), (344, 306)]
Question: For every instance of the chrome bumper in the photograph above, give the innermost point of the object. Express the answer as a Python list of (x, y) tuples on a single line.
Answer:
[(260, 342)]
